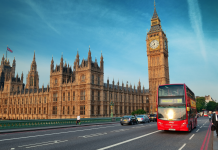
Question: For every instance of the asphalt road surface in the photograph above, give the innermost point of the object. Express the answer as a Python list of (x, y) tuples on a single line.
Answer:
[(110, 136)]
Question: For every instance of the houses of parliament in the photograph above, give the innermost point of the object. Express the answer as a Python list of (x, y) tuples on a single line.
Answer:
[(81, 90)]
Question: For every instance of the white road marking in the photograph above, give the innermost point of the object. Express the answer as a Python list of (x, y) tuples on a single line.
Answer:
[(119, 130), (127, 141), (201, 127), (47, 144), (12, 148), (42, 144), (36, 144), (137, 127), (93, 135), (182, 146), (197, 130), (34, 136), (191, 137)]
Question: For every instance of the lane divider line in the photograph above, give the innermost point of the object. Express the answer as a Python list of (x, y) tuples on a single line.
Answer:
[(191, 137), (182, 147), (47, 144), (38, 143), (127, 141), (197, 130)]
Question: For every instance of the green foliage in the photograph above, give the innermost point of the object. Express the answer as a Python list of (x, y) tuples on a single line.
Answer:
[(200, 103), (211, 105), (139, 111)]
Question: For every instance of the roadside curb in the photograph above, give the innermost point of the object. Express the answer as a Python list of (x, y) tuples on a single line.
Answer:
[(53, 127)]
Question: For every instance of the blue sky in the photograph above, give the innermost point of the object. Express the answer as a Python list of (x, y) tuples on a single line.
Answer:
[(117, 28)]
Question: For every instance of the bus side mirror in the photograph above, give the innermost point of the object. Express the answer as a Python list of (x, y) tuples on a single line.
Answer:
[(188, 108)]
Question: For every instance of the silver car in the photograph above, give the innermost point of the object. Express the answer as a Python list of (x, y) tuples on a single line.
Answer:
[(143, 118)]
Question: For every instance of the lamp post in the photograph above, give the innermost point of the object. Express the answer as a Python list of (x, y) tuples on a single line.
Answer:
[(111, 104)]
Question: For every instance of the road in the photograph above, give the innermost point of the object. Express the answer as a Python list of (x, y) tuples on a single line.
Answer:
[(109, 136)]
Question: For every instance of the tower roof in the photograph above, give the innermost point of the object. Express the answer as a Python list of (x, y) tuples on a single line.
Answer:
[(155, 16), (155, 22)]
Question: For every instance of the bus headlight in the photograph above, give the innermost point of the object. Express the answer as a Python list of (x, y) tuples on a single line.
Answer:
[(170, 114)]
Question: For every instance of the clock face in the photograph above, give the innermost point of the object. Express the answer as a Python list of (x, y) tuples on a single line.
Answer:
[(154, 44), (165, 44)]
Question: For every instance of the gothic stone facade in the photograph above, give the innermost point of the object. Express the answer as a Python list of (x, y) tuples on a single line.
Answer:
[(73, 91), (81, 90)]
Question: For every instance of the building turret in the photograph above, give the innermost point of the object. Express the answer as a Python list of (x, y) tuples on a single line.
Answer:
[(61, 64), (143, 89), (65, 65), (33, 77), (2, 62), (52, 65), (107, 82), (101, 63), (96, 63), (113, 83), (13, 67), (89, 56), (22, 77), (77, 58), (139, 86)]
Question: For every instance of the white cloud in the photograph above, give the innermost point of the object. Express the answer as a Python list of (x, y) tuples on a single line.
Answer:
[(196, 22), (41, 15)]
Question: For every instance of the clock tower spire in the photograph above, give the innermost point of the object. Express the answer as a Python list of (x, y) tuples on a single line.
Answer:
[(157, 53)]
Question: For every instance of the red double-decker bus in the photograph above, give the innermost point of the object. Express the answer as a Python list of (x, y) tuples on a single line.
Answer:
[(205, 113), (176, 108)]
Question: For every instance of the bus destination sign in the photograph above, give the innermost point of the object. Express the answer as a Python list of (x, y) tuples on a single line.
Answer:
[(167, 101)]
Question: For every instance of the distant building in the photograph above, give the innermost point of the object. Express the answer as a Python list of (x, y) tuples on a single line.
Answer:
[(207, 98)]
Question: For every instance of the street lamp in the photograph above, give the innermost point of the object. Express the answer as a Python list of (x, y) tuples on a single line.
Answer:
[(112, 104)]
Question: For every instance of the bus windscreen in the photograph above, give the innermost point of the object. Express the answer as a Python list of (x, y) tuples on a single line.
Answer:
[(171, 90), (172, 113)]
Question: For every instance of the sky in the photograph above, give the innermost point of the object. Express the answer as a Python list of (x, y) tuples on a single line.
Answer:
[(117, 29)]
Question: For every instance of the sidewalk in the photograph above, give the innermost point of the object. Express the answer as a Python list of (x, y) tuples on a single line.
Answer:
[(52, 127), (215, 141)]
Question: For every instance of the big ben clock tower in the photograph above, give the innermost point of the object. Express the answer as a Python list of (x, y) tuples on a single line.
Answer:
[(157, 52)]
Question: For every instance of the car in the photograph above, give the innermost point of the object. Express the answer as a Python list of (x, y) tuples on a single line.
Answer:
[(153, 117), (128, 120), (143, 118)]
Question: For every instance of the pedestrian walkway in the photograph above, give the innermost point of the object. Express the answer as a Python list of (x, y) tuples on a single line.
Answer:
[(50, 127), (215, 141)]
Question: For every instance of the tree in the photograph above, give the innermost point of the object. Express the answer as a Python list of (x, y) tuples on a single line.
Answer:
[(211, 105), (139, 111), (200, 103)]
